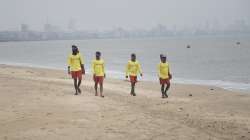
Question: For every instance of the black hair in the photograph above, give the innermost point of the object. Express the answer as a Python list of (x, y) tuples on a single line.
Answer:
[(99, 53), (74, 47)]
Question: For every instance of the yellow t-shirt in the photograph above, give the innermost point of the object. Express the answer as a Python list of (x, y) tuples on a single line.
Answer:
[(163, 70), (98, 67), (75, 61), (133, 68)]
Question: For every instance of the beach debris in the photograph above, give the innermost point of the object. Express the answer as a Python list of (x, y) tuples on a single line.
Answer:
[(29, 71), (190, 95), (188, 46), (43, 128), (180, 109), (165, 102), (211, 89), (48, 114)]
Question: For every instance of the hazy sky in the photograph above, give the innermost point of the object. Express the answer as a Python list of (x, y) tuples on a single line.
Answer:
[(130, 14)]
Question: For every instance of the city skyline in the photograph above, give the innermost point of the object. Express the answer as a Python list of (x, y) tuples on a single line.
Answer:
[(130, 14)]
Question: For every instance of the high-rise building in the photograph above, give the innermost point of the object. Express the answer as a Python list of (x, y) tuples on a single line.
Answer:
[(24, 27)]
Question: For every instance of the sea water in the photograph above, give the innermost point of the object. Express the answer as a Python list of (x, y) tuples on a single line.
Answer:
[(217, 61)]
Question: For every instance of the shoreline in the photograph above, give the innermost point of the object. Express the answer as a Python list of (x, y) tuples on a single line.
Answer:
[(227, 85)]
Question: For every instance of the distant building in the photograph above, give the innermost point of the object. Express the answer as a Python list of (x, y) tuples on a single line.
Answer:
[(51, 28), (72, 25), (24, 28)]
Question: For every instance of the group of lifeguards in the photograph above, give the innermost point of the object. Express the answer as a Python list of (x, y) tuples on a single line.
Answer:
[(133, 69)]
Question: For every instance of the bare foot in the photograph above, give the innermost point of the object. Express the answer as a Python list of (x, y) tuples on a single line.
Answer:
[(166, 95), (163, 96), (79, 90)]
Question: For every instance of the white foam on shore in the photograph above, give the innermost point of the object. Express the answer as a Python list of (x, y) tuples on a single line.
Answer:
[(245, 87), (30, 65), (228, 85)]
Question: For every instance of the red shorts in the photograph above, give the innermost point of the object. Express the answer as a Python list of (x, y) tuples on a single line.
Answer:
[(76, 74), (98, 79), (133, 79), (164, 81)]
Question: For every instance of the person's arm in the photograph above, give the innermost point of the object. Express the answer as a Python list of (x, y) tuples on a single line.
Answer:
[(139, 68), (93, 68), (169, 74), (82, 64), (158, 70), (83, 68), (68, 69), (69, 63), (103, 67), (127, 67)]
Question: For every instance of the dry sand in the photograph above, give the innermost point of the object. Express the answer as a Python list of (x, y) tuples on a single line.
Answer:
[(38, 104)]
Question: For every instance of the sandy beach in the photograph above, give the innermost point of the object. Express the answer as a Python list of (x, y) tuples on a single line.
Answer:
[(38, 104)]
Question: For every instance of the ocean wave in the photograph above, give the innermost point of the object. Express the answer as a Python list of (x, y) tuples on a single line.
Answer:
[(228, 85)]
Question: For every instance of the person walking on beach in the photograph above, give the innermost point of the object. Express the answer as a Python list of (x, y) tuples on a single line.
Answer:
[(76, 68), (133, 68), (98, 70), (164, 75)]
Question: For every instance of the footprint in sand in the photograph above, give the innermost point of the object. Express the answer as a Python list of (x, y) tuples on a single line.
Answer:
[(48, 114), (43, 128)]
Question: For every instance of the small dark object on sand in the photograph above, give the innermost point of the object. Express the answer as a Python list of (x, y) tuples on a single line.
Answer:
[(211, 89), (180, 109), (190, 95), (188, 46), (238, 43)]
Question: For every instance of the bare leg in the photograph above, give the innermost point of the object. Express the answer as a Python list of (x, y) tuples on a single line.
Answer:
[(167, 88), (96, 85), (76, 87), (133, 89), (162, 90), (101, 89)]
